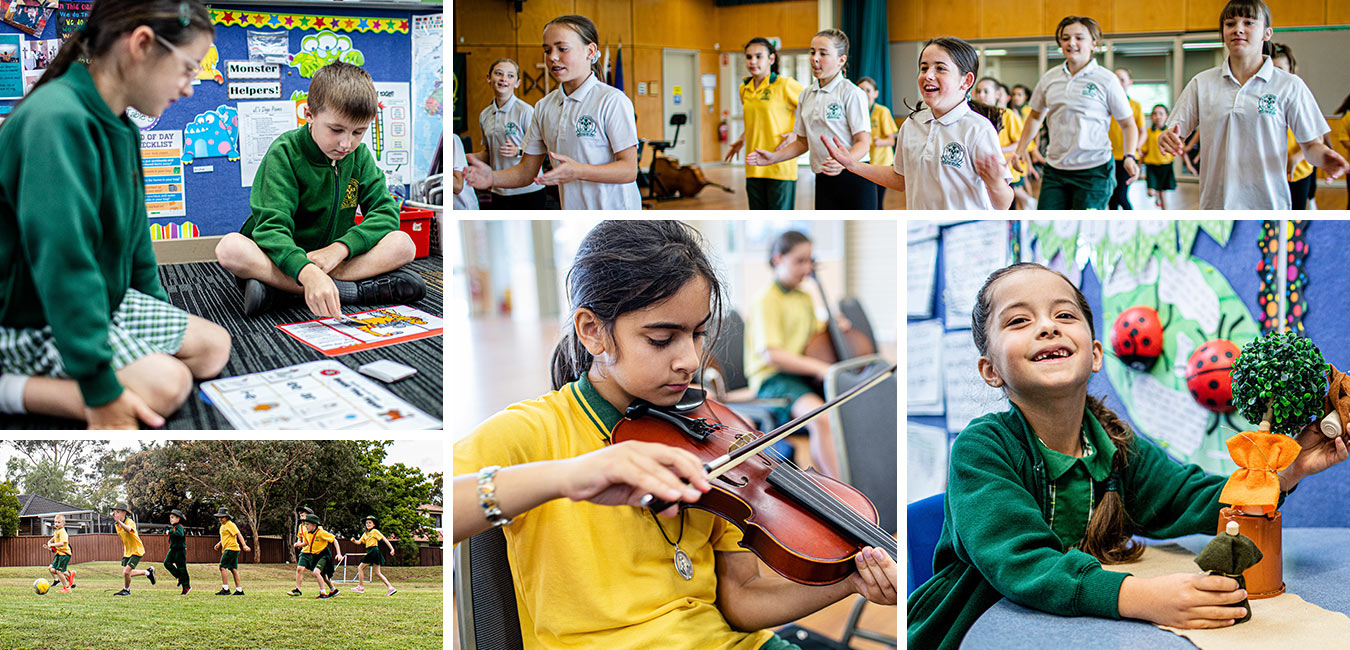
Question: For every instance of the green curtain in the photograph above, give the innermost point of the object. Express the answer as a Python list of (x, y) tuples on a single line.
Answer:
[(869, 45)]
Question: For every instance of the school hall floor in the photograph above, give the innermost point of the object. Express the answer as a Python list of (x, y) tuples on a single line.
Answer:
[(207, 290), (1187, 196)]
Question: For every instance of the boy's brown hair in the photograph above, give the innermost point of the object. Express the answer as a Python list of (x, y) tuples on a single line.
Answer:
[(345, 88)]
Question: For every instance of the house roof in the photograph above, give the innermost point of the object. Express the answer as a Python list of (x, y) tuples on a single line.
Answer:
[(32, 505)]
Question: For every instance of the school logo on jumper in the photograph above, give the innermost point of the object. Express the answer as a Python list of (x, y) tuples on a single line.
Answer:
[(765, 95), (586, 127), (1266, 105), (353, 190), (834, 111), (1092, 90), (512, 129), (954, 155)]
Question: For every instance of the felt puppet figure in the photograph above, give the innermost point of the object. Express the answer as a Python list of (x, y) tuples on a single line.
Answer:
[(1229, 554), (1337, 403)]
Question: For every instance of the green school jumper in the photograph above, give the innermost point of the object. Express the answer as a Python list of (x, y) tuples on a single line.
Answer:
[(73, 230), (176, 559), (302, 201), (997, 540)]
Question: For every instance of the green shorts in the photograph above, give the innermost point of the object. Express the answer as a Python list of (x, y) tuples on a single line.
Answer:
[(306, 561), (323, 562), (779, 643), (60, 562), (770, 193), (229, 559), (1160, 177), (140, 326), (1077, 189), (785, 385), (131, 561), (373, 556)]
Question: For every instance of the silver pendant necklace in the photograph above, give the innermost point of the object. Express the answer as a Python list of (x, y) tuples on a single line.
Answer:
[(683, 565)]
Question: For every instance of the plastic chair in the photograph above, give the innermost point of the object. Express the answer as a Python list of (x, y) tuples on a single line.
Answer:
[(851, 309), (485, 594), (924, 521)]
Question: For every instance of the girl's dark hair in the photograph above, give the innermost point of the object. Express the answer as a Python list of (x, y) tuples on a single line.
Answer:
[(1345, 106), (622, 266), (176, 21), (786, 242), (586, 30), (1108, 532), (1247, 9), (967, 61), (773, 52), (1280, 49), (840, 41), (868, 80)]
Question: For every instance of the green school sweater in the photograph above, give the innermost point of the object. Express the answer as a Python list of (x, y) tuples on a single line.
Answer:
[(177, 538), (302, 201), (996, 541), (73, 231)]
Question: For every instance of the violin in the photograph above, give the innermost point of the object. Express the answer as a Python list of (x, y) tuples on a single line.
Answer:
[(804, 525), (834, 344)]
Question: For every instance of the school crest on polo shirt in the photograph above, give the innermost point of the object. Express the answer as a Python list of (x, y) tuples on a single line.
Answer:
[(512, 129), (353, 190), (765, 95), (954, 155), (834, 111), (587, 127), (1266, 104), (1092, 90)]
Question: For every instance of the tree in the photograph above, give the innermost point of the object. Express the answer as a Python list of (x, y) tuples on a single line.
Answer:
[(155, 484), (331, 473), (239, 474), (1280, 377), (9, 510)]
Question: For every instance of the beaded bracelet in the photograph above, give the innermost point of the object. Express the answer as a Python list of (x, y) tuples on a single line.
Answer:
[(487, 497)]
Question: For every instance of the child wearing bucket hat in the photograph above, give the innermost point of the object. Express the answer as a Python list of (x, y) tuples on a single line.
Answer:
[(319, 561), (132, 548), (371, 540), (230, 542), (175, 561), (301, 540)]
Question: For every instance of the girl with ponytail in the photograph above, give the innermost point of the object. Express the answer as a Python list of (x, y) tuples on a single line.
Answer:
[(86, 330), (1040, 496), (645, 299)]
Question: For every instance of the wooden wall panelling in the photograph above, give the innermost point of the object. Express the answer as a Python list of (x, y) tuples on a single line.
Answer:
[(1149, 16), (902, 18), (709, 120), (955, 18), (1098, 10), (1011, 19)]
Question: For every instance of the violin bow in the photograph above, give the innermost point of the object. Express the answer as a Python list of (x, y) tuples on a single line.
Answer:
[(727, 462)]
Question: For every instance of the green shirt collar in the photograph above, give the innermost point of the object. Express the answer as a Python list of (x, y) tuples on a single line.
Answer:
[(83, 83), (782, 288), (1097, 452), (600, 412)]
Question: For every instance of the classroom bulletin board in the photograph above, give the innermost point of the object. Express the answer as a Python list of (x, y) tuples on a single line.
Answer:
[(200, 154), (1208, 279)]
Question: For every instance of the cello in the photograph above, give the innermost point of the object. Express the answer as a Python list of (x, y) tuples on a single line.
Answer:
[(834, 344), (807, 527)]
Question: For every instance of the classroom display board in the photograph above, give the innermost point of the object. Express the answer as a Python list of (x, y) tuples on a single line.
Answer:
[(253, 86), (1208, 281)]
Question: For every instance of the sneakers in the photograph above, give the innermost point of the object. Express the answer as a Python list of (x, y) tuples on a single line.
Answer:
[(401, 287), (185, 591), (333, 593), (150, 573), (391, 591), (70, 577), (321, 596), (294, 592), (124, 592), (223, 592), (258, 297), (238, 592), (358, 590), (63, 590)]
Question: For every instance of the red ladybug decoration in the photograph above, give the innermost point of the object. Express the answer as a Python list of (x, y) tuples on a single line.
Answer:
[(1137, 337), (1209, 375)]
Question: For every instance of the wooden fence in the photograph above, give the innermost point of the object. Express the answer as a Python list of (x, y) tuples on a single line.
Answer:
[(32, 550)]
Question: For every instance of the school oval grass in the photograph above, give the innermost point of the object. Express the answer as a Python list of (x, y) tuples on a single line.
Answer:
[(158, 617)]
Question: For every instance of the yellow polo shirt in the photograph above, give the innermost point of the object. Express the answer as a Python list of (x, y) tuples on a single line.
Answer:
[(883, 126), (592, 576), (228, 539), (319, 541), (779, 318), (1304, 168), (371, 538), (302, 535), (1118, 137), (1009, 134), (62, 541), (769, 108), (1153, 154), (131, 542)]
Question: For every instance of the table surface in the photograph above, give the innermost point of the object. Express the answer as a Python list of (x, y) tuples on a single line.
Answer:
[(1313, 568)]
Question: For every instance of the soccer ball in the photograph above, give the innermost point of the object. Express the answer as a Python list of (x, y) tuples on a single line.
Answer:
[(41, 586)]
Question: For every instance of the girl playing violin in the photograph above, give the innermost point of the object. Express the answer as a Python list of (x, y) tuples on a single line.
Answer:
[(644, 296)]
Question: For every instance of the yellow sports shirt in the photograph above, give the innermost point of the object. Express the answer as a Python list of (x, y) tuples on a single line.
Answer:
[(62, 542), (1117, 137), (228, 539), (592, 576), (319, 541), (779, 318), (1304, 168), (302, 535), (1153, 154), (883, 126), (371, 538), (1009, 134), (131, 542), (768, 110)]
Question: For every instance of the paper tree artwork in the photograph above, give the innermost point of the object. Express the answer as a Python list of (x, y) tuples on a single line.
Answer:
[(1229, 554)]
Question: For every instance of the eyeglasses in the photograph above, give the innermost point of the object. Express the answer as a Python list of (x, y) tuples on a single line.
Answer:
[(193, 68)]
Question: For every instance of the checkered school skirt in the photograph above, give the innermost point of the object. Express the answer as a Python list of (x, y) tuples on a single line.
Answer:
[(142, 325)]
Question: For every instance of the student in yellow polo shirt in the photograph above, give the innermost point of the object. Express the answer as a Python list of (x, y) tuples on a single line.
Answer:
[(60, 546), (371, 540), (1158, 169), (230, 542), (883, 132), (588, 570), (301, 541), (769, 102), (132, 548), (1120, 198), (321, 561)]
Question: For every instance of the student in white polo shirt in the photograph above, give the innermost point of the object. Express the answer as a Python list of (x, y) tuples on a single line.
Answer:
[(465, 198), (504, 122), (831, 107), (949, 157), (586, 128), (1243, 111), (1076, 101)]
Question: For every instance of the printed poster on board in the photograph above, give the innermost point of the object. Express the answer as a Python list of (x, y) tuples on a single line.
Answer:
[(162, 162)]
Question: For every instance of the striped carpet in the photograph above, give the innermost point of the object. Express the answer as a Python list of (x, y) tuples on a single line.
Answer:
[(207, 290)]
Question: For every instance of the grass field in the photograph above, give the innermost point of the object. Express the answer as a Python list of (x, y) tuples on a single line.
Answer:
[(156, 617)]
